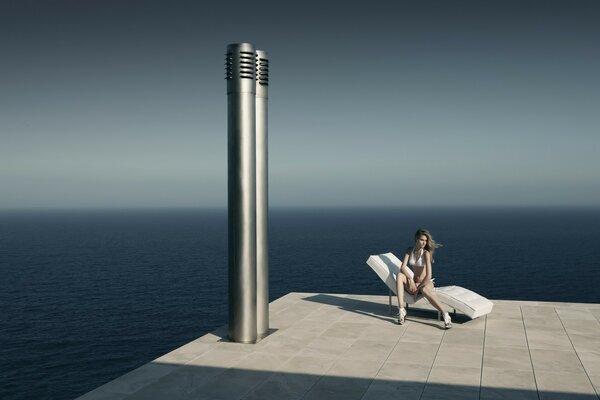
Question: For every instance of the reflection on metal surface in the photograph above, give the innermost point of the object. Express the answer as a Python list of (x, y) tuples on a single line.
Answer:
[(262, 206), (247, 74), (241, 92)]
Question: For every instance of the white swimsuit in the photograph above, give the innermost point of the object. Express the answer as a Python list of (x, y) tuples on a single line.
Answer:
[(419, 262)]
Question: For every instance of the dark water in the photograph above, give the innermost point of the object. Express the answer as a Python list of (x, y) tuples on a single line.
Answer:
[(87, 296)]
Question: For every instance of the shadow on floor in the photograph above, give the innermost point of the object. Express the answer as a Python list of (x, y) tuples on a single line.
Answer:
[(158, 381), (381, 311)]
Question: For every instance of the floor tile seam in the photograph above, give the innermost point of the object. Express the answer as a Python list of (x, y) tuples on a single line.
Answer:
[(282, 299), (269, 374), (335, 358), (180, 364), (306, 322), (322, 329), (466, 346), (383, 363), (328, 319), (317, 381), (540, 329), (482, 356), (596, 317), (579, 358), (503, 333), (432, 365), (256, 385), (537, 390), (288, 360), (295, 303), (129, 395), (234, 366), (312, 340), (224, 368)]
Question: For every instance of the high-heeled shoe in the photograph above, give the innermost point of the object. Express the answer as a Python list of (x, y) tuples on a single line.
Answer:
[(447, 321), (401, 316)]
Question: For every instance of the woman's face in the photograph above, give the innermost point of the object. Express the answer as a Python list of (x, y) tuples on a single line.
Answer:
[(421, 241)]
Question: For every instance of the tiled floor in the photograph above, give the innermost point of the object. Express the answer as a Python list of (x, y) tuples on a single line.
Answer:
[(327, 346)]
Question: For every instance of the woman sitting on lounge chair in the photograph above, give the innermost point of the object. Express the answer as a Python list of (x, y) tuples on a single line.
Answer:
[(419, 258)]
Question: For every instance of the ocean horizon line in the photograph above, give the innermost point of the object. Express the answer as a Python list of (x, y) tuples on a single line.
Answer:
[(525, 207)]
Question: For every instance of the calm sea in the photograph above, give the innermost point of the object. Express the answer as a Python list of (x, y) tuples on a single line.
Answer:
[(86, 296)]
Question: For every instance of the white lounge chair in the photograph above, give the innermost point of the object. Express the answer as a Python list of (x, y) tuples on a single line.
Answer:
[(465, 301)]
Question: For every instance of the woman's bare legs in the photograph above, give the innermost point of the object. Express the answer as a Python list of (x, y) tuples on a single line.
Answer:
[(432, 298), (427, 291), (400, 282)]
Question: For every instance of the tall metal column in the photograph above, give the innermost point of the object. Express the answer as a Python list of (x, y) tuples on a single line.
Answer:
[(241, 91), (262, 203)]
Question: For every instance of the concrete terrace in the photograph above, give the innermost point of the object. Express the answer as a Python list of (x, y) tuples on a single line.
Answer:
[(331, 346)]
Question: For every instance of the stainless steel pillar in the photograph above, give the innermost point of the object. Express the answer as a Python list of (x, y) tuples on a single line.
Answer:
[(241, 91), (262, 203)]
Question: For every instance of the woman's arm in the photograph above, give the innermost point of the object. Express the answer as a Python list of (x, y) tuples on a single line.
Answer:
[(404, 266), (427, 278), (412, 288)]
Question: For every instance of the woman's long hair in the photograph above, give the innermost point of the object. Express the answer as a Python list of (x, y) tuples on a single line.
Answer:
[(431, 244)]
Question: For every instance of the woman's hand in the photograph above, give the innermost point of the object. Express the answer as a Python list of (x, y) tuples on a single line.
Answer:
[(412, 287)]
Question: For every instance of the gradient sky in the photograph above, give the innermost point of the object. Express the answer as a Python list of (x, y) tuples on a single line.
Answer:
[(123, 103)]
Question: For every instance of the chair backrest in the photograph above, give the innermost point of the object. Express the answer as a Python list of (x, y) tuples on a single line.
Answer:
[(386, 266)]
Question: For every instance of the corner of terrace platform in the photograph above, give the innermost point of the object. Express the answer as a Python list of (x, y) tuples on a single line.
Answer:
[(341, 346)]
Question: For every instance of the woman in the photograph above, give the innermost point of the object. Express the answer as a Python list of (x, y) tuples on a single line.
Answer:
[(419, 258)]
